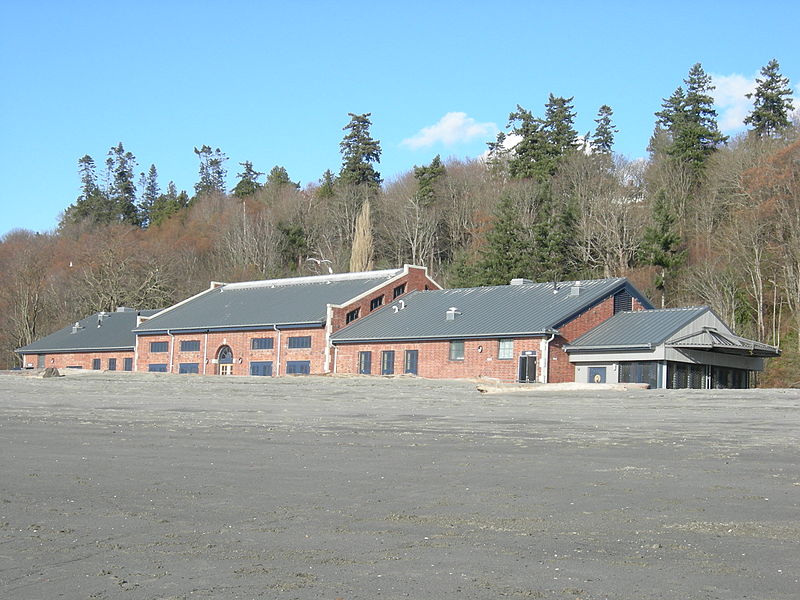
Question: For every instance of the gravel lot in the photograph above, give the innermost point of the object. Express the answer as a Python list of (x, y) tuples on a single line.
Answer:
[(154, 486)]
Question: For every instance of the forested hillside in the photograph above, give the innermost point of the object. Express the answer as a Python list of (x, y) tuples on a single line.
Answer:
[(705, 219)]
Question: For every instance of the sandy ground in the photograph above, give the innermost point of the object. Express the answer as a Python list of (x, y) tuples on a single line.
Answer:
[(153, 486)]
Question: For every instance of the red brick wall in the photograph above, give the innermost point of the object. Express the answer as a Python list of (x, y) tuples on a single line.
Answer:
[(239, 342), (416, 279), (434, 358), (82, 359), (561, 370)]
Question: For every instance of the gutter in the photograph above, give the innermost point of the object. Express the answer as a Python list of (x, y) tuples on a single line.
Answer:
[(278, 354), (608, 348)]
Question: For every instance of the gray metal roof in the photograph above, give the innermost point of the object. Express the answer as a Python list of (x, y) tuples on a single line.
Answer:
[(637, 329), (114, 333), (299, 300), (712, 339), (484, 311)]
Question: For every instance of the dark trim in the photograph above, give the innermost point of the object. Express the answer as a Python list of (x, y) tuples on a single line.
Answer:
[(270, 327), (75, 350), (480, 336)]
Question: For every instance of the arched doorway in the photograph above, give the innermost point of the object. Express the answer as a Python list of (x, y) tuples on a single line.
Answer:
[(225, 361)]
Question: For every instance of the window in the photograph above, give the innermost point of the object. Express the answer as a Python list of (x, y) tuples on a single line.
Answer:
[(457, 350), (410, 361), (159, 346), (262, 368), (300, 342), (189, 368), (399, 290), (261, 343), (622, 301), (387, 362), (351, 316), (506, 349), (112, 364), (365, 363), (639, 372), (376, 302), (298, 367), (157, 368), (96, 364), (190, 345), (40, 361), (127, 364)]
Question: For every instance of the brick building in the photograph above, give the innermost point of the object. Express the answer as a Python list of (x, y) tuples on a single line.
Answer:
[(272, 327), (400, 321), (512, 333), (102, 341)]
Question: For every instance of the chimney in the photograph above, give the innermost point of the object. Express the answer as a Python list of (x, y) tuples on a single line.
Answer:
[(76, 327), (575, 289), (451, 313)]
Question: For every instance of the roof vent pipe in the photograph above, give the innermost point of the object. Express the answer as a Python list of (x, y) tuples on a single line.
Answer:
[(402, 304)]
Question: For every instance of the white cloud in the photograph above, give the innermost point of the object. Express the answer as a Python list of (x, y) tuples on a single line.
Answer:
[(453, 128), (730, 98)]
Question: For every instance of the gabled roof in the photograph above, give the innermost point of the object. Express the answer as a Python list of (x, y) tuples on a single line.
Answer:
[(712, 339), (100, 332), (643, 329), (507, 310), (251, 304)]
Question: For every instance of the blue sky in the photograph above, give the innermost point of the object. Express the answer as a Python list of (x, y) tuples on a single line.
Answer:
[(273, 82)]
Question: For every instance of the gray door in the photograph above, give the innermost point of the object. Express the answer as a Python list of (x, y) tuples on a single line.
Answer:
[(527, 369)]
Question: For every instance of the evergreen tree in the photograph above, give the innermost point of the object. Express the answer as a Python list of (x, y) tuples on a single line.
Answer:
[(507, 252), (559, 119), (542, 142), (603, 139), (168, 204), (326, 185), (691, 121), (248, 181), (553, 254), (279, 176), (149, 194), (661, 243), (293, 244), (426, 179), (121, 165), (93, 205), (530, 156), (212, 171), (359, 152), (772, 104)]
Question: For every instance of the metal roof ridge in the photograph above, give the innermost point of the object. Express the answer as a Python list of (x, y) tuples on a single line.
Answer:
[(313, 279)]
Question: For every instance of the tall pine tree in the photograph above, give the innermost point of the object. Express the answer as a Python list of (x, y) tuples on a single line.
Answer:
[(690, 120), (212, 171), (772, 102), (122, 188), (248, 181), (602, 141), (359, 153)]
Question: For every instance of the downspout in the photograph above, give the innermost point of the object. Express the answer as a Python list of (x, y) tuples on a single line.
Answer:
[(278, 356), (328, 327), (205, 353), (135, 354), (335, 357), (171, 349), (546, 359)]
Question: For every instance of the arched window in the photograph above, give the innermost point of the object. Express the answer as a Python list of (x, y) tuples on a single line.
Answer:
[(225, 355)]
